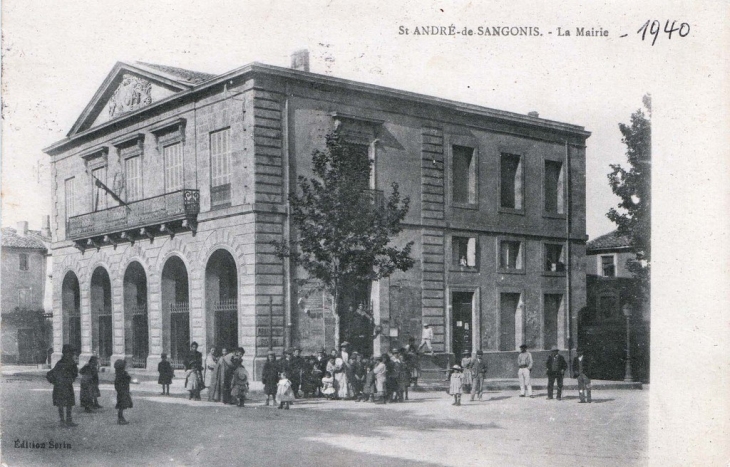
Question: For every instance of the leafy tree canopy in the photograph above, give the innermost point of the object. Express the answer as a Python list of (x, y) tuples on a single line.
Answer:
[(632, 184)]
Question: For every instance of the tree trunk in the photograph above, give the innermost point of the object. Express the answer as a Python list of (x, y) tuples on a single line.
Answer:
[(336, 313)]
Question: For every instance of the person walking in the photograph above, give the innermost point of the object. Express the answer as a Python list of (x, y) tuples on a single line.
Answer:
[(455, 384), (466, 376), (581, 371), (62, 377), (556, 367), (426, 338), (478, 373), (524, 362)]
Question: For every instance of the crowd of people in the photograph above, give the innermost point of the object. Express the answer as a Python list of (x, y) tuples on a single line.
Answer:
[(339, 375)]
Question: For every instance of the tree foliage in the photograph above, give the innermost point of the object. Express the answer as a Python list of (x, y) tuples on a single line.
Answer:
[(633, 186), (344, 230)]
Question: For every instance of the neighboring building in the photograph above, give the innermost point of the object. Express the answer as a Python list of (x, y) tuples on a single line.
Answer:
[(26, 305), (602, 324), (204, 164)]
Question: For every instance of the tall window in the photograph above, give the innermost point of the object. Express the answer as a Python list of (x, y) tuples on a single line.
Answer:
[(464, 252), (608, 268), (23, 261), (552, 305), (511, 181), (554, 188), (70, 195), (554, 258), (172, 154), (98, 201), (510, 255), (464, 185), (133, 175), (220, 168)]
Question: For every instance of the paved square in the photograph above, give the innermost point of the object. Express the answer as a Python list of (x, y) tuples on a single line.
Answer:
[(502, 430)]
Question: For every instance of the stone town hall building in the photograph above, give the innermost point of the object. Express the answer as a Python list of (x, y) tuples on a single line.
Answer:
[(198, 168)]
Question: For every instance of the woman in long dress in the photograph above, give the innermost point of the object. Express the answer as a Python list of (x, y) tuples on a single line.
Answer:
[(341, 368), (209, 368)]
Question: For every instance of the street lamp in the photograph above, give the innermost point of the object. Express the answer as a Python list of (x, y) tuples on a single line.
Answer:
[(627, 313)]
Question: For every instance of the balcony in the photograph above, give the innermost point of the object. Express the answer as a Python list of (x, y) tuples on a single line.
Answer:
[(166, 214)]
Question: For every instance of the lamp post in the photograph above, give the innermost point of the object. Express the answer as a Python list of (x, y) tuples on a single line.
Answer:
[(627, 313)]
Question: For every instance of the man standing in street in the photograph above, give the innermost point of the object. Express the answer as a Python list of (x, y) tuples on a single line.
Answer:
[(556, 367), (426, 338), (581, 370), (524, 362), (478, 372)]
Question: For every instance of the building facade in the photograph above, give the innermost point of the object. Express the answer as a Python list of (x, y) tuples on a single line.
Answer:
[(171, 186), (26, 294), (602, 324)]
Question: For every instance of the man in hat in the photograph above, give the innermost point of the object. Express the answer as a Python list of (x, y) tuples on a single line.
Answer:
[(581, 370), (478, 372), (426, 338), (556, 367), (524, 362), (297, 368)]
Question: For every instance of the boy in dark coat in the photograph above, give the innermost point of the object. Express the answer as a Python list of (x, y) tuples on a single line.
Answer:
[(87, 394), (270, 376), (62, 377), (121, 384), (166, 374), (581, 371)]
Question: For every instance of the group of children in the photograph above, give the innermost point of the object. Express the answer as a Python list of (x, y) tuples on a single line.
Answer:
[(66, 371)]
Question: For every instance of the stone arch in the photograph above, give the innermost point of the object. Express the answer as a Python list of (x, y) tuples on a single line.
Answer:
[(221, 299), (174, 313)]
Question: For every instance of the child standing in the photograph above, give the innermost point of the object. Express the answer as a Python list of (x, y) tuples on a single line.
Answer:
[(269, 376), (380, 370), (62, 377), (121, 384), (368, 390), (166, 374), (284, 392), (88, 391), (455, 384), (239, 384), (328, 385)]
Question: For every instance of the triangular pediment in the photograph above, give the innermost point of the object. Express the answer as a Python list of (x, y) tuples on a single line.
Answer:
[(129, 87)]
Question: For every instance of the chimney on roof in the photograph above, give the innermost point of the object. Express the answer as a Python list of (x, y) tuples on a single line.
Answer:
[(300, 60), (46, 226), (533, 114), (22, 228)]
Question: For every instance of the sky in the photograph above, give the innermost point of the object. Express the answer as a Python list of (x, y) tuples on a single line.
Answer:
[(55, 56)]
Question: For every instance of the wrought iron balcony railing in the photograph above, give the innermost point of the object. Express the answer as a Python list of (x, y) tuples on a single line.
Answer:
[(159, 215)]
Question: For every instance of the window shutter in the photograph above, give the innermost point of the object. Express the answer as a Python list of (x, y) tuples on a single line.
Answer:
[(561, 190), (518, 262), (518, 185), (471, 252)]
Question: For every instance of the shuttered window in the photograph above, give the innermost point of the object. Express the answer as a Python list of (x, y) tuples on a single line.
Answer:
[(172, 155)]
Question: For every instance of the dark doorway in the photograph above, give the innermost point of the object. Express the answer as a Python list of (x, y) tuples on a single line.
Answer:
[(26, 346), (102, 333), (71, 309), (221, 288), (461, 323), (135, 314), (175, 311)]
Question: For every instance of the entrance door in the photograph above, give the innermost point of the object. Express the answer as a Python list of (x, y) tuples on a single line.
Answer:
[(105, 337), (25, 346), (461, 308), (179, 336), (139, 338)]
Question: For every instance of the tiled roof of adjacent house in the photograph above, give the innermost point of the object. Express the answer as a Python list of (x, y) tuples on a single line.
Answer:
[(194, 77), (33, 239), (611, 240)]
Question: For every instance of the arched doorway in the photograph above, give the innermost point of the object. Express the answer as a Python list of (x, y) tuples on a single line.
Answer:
[(136, 335), (71, 311), (221, 289), (175, 311), (101, 316)]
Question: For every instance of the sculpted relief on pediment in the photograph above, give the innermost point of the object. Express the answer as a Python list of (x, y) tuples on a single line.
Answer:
[(134, 92)]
